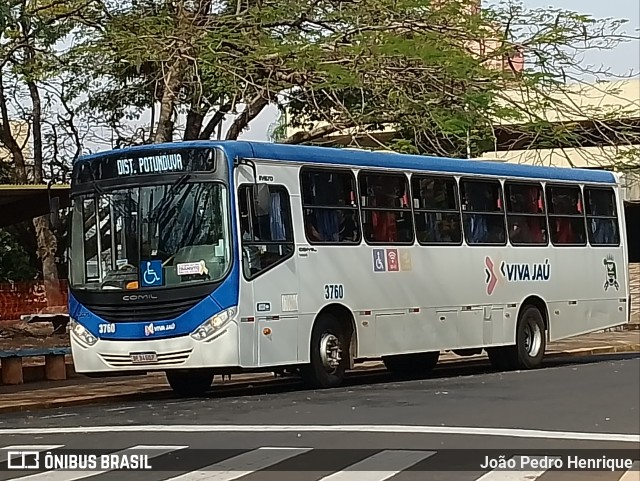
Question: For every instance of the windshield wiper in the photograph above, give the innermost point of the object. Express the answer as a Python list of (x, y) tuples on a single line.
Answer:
[(179, 182), (183, 179)]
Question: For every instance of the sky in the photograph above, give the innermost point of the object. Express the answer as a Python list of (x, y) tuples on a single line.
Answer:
[(625, 59)]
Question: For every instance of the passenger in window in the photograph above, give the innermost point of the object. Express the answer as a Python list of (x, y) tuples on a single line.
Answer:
[(496, 231), (348, 230), (251, 253), (328, 225), (384, 226), (564, 232), (312, 232)]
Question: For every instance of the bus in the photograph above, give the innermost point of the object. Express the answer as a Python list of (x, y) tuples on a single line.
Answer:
[(201, 258)]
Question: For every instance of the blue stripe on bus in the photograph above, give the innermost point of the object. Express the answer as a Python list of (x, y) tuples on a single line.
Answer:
[(225, 296), (310, 154)]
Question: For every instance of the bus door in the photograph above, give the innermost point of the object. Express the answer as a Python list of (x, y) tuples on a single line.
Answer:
[(269, 270)]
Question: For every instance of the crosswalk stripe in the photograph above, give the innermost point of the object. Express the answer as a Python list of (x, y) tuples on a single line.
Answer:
[(151, 451), (241, 465), (513, 475), (4, 452), (632, 474), (380, 466)]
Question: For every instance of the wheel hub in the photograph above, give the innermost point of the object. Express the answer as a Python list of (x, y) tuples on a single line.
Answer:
[(532, 339), (330, 351)]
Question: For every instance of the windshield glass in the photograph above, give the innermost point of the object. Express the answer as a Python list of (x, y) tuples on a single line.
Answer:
[(151, 236)]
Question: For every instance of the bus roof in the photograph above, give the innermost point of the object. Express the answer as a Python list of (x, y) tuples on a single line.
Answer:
[(364, 159)]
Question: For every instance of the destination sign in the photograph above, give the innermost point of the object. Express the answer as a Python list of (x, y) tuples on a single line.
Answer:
[(146, 163), (150, 165)]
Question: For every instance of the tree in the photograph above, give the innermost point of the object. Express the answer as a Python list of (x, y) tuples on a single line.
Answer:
[(437, 71), (14, 260), (448, 91), (29, 63)]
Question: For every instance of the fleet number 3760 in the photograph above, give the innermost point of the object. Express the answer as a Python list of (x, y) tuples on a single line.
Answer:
[(333, 291)]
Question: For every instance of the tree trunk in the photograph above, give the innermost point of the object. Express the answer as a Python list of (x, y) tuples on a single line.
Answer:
[(218, 117), (249, 113), (9, 141), (36, 129), (46, 239), (194, 124), (47, 247), (172, 81)]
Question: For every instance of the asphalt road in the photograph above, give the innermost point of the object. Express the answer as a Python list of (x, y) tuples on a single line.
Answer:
[(401, 431)]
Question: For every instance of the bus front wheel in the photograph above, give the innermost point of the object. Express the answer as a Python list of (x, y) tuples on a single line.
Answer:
[(190, 383), (329, 353)]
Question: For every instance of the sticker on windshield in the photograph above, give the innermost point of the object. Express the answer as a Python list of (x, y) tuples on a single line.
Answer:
[(152, 273), (192, 269)]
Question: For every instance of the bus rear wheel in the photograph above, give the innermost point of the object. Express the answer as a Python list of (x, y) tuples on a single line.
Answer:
[(531, 343), (329, 353), (190, 383), (411, 365)]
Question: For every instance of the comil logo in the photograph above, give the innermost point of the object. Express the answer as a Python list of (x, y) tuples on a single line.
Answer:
[(23, 460)]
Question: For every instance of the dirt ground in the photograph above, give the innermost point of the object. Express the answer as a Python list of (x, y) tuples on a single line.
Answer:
[(18, 335), (25, 342)]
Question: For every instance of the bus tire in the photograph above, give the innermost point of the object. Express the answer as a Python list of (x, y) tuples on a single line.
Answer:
[(190, 383), (531, 339), (329, 354), (411, 365)]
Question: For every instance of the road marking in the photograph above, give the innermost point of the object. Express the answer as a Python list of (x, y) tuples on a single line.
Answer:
[(241, 465), (380, 466), (151, 451), (632, 474), (504, 475), (4, 455), (306, 428)]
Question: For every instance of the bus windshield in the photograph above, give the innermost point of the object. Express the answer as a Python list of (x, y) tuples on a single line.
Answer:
[(150, 236)]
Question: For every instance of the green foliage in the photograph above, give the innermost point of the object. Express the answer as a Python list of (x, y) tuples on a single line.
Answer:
[(14, 261)]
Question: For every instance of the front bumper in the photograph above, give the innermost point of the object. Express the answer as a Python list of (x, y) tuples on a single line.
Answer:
[(182, 352)]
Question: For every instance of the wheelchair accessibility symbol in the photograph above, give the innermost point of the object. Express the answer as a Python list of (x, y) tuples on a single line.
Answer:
[(152, 273)]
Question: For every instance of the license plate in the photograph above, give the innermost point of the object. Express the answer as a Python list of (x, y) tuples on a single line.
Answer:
[(143, 357)]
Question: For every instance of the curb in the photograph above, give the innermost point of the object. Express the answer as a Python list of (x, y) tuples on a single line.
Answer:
[(162, 392)]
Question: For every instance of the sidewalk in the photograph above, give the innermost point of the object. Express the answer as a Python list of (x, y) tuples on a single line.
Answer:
[(81, 390)]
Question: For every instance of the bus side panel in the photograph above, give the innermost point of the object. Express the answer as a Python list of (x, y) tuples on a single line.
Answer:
[(442, 297)]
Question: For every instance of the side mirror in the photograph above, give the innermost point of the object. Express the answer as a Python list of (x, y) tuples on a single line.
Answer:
[(261, 199)]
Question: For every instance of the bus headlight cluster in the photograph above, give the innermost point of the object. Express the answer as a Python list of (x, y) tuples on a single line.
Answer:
[(214, 324), (82, 333)]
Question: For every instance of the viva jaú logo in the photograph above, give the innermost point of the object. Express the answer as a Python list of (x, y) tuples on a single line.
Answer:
[(497, 272)]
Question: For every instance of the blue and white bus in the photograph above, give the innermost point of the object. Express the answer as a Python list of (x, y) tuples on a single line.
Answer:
[(203, 258)]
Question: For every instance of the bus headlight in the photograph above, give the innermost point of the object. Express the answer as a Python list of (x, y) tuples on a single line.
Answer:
[(82, 333), (214, 324)]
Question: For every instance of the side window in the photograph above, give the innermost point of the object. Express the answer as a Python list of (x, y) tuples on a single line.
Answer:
[(526, 219), (387, 217), (602, 220), (482, 212), (437, 215), (266, 230), (566, 215), (330, 209)]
